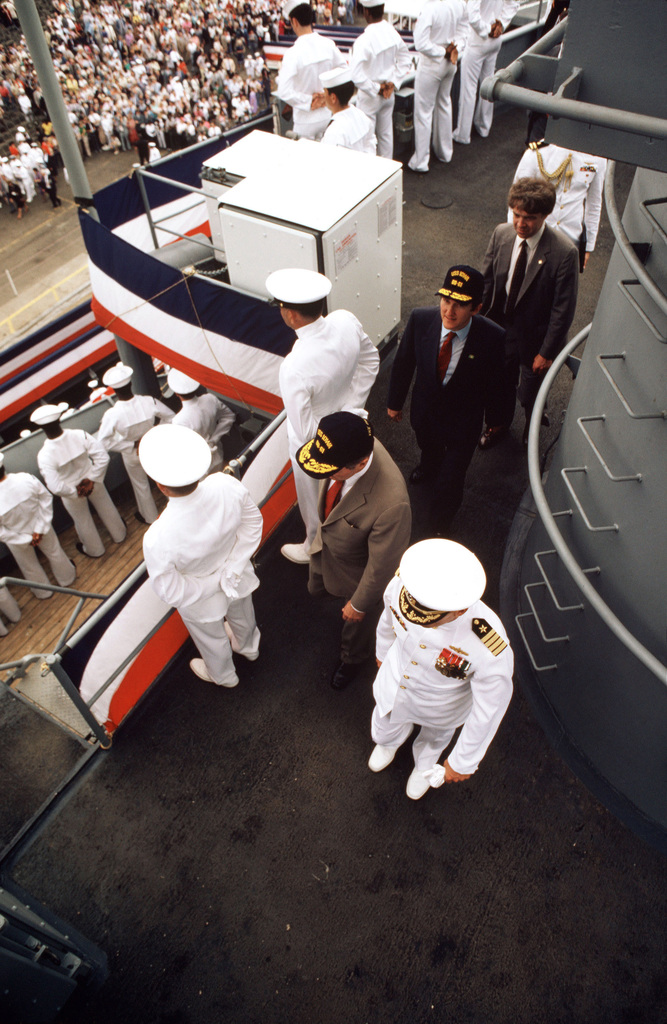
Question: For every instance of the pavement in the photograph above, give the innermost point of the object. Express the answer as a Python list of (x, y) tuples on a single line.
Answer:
[(239, 863)]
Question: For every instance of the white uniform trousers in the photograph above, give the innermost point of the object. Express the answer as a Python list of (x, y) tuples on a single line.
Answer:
[(213, 644), (9, 609), (476, 65), (427, 747), (433, 111), (381, 113), (141, 487), (61, 567), (307, 492), (79, 509)]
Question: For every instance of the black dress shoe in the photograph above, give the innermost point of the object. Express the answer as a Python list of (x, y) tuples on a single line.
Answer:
[(491, 436), (140, 519), (343, 675), (417, 475), (79, 548)]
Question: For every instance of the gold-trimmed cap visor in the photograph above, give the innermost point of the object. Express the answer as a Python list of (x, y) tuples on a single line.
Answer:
[(415, 612)]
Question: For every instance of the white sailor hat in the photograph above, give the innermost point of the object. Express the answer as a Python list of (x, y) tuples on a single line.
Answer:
[(438, 576), (335, 76), (289, 6), (297, 287), (174, 456), (180, 383), (118, 375), (372, 3), (48, 413)]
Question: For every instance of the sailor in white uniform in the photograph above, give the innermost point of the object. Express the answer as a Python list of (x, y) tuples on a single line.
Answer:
[(488, 20), (123, 426), (440, 37), (198, 552), (26, 514), (298, 81), (9, 608), (579, 182), (379, 62), (331, 368), (73, 465), (349, 126), (203, 412), (443, 662)]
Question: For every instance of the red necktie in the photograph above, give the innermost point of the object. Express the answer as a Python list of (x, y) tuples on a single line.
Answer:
[(333, 495), (444, 355)]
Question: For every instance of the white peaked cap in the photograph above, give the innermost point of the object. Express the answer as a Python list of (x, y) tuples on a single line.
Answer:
[(297, 287), (117, 375), (2, 460), (289, 6), (180, 383), (174, 456), (374, 3), (336, 76), (48, 413), (442, 575)]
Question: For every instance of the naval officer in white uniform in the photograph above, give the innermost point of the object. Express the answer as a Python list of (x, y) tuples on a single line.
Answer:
[(379, 62), (349, 126), (74, 465), (579, 182), (331, 368), (203, 412), (298, 81), (443, 662), (440, 37), (26, 514), (198, 552), (488, 20), (123, 426)]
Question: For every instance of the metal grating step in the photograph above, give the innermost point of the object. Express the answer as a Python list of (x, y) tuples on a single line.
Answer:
[(42, 689)]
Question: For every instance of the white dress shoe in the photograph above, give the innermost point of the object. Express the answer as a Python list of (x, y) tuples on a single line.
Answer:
[(199, 668), (235, 644), (296, 553), (417, 785), (381, 757)]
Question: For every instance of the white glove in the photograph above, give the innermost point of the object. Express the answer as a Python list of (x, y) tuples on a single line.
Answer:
[(435, 775), (229, 583)]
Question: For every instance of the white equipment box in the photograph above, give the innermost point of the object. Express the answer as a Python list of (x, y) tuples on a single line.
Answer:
[(324, 208)]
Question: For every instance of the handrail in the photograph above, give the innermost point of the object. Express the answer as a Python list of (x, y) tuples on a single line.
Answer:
[(629, 254), (589, 592)]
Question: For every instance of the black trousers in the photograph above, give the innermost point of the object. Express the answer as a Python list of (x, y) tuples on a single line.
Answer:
[(444, 467)]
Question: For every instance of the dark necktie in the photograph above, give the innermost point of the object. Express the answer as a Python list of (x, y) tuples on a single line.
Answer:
[(333, 496), (517, 278), (444, 355)]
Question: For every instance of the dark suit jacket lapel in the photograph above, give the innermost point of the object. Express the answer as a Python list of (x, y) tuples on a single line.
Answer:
[(539, 259), (503, 263), (432, 344)]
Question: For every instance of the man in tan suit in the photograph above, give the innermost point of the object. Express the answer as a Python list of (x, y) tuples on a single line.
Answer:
[(364, 529)]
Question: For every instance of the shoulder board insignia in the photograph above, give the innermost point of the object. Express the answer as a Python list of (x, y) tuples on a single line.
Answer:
[(489, 637), (537, 145)]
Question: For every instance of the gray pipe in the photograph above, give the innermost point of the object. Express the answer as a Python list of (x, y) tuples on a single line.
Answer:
[(69, 147)]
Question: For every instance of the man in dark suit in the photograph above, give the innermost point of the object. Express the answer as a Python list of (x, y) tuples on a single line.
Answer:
[(458, 358), (531, 276), (364, 529)]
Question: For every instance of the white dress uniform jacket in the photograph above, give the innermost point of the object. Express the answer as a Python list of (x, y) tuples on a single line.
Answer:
[(331, 368), (26, 507), (210, 418), (198, 559), (478, 62), (121, 427), (352, 129), (440, 23), (412, 687), (579, 200), (379, 55), (64, 462), (299, 78)]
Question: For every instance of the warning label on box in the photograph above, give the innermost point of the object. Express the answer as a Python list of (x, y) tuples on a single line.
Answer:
[(386, 214), (346, 251)]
